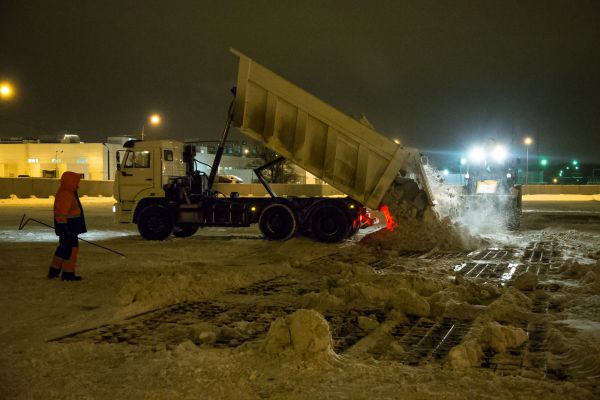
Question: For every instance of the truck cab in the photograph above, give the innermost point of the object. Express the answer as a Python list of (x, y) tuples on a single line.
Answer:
[(147, 166)]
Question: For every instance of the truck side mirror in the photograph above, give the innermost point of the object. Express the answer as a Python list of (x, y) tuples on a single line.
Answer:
[(118, 166)]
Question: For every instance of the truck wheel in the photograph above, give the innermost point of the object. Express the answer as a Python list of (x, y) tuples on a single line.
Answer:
[(155, 223), (184, 230), (278, 222), (329, 224)]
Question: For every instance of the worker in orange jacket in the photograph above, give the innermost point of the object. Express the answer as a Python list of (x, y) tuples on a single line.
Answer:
[(69, 222)]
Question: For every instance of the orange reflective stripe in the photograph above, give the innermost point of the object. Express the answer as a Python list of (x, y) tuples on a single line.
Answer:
[(70, 264), (57, 262)]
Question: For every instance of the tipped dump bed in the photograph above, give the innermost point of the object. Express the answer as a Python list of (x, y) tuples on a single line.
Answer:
[(329, 144)]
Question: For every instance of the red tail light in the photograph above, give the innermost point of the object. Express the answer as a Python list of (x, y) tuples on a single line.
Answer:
[(390, 223)]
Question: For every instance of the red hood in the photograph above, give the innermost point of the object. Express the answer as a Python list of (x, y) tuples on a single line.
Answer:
[(69, 181)]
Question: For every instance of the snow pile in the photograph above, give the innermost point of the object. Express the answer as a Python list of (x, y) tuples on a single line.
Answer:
[(526, 281), (510, 306), (491, 337), (304, 334), (355, 286), (463, 299), (165, 288), (587, 274), (417, 225)]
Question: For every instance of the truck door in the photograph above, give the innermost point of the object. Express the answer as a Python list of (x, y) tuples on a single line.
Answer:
[(137, 174)]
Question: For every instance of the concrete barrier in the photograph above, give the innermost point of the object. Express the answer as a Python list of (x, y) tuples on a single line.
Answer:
[(561, 189), (46, 187)]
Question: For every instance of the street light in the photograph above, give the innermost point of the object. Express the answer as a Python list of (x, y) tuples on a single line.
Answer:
[(527, 142), (7, 91), (154, 120)]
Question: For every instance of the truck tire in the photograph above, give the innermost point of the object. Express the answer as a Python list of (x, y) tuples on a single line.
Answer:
[(155, 223), (182, 231), (278, 222), (329, 224)]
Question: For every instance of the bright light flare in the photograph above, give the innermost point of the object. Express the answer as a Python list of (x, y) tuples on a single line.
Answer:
[(477, 155), (499, 154), (528, 141), (6, 91), (155, 119)]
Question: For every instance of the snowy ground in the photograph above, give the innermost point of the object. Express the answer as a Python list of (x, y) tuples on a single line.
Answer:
[(214, 315)]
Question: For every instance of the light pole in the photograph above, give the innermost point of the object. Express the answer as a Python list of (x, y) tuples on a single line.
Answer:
[(463, 163), (527, 142), (107, 161), (56, 162), (154, 120)]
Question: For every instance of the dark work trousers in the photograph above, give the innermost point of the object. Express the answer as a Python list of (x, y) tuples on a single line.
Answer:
[(65, 256)]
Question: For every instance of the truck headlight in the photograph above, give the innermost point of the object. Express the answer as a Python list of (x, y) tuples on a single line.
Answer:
[(499, 154), (114, 209), (477, 155)]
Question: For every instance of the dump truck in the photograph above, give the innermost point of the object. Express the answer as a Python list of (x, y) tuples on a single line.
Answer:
[(158, 187)]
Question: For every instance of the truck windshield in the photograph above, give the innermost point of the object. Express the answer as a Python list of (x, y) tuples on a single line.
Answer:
[(137, 159)]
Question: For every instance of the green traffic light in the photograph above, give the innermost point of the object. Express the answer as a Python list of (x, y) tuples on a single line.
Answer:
[(575, 162), (544, 162)]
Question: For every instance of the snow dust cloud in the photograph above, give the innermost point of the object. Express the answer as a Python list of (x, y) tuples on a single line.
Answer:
[(417, 225)]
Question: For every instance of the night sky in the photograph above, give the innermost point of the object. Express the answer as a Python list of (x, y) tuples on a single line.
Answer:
[(439, 75)]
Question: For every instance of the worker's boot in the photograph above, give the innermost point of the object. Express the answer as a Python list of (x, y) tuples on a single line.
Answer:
[(70, 276), (53, 272)]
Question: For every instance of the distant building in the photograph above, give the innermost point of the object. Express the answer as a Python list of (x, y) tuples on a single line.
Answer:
[(51, 155)]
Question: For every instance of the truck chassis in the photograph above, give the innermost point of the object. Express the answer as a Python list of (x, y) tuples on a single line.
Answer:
[(189, 205)]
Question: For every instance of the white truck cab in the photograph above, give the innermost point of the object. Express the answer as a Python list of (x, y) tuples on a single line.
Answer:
[(145, 168)]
